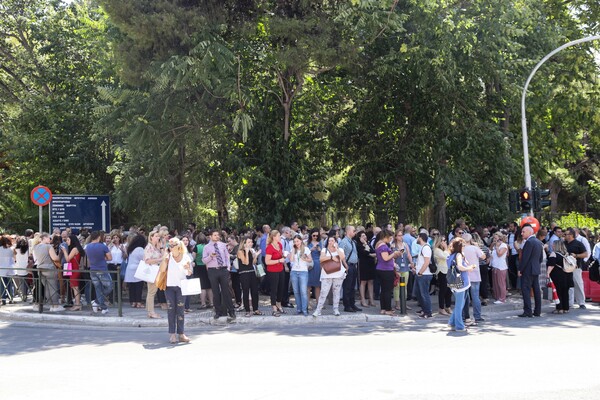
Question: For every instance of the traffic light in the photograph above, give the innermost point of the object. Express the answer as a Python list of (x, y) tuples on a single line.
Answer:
[(526, 200), (513, 201), (541, 199)]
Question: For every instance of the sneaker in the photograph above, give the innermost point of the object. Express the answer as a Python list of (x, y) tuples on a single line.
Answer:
[(479, 320), (425, 316), (582, 306), (54, 308), (498, 302), (94, 306), (105, 311), (336, 313), (316, 314)]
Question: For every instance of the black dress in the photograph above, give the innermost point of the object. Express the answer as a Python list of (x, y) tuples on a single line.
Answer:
[(562, 280), (366, 262)]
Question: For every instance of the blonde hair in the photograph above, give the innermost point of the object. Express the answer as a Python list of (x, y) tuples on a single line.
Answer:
[(176, 243), (272, 234)]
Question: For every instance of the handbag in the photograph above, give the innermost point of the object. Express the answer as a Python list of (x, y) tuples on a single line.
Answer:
[(190, 287), (330, 266), (161, 278), (68, 269), (569, 263), (259, 270), (453, 278), (146, 272)]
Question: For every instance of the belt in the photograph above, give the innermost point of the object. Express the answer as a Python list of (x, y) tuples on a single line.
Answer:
[(219, 267)]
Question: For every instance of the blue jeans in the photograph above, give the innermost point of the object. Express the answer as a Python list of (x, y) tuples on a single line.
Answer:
[(300, 285), (424, 281), (175, 312), (103, 284), (473, 296), (456, 319)]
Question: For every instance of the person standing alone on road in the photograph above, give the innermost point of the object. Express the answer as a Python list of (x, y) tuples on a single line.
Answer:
[(529, 271)]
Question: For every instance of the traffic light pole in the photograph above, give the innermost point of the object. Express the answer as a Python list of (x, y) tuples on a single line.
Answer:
[(523, 115)]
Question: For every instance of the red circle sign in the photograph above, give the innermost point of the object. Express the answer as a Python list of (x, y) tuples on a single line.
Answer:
[(41, 196), (535, 224)]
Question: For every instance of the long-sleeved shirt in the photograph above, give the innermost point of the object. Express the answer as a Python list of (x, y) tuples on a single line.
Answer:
[(596, 251), (212, 262)]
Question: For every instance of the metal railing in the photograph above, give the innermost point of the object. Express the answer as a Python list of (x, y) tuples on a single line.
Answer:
[(31, 285)]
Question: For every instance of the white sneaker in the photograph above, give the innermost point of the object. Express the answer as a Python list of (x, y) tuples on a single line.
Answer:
[(336, 313), (498, 302), (316, 314), (105, 311), (54, 308), (94, 306)]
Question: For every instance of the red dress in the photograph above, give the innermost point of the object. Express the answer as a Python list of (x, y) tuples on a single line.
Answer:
[(276, 254), (74, 278)]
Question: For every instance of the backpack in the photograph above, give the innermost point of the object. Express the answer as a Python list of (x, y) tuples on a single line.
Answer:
[(453, 277), (569, 263), (432, 265), (594, 271)]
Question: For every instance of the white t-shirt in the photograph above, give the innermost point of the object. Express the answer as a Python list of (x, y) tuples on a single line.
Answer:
[(175, 272), (473, 255), (298, 264), (499, 262), (425, 252), (117, 255), (22, 262)]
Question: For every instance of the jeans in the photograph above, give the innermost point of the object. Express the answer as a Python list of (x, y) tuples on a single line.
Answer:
[(473, 295), (348, 286), (456, 320), (49, 279), (103, 284), (175, 306), (424, 281), (7, 288), (300, 285)]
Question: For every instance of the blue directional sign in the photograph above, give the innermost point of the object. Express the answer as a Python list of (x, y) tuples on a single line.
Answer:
[(80, 211)]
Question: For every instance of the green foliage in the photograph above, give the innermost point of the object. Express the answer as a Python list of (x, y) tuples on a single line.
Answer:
[(577, 220)]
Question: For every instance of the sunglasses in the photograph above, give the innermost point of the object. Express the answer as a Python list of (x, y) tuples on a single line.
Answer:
[(315, 235)]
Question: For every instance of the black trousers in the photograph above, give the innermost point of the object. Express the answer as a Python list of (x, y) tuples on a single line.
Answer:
[(512, 270), (485, 281), (444, 294), (236, 286), (348, 286), (387, 289), (249, 283), (528, 282), (276, 283), (219, 282), (135, 291), (285, 300)]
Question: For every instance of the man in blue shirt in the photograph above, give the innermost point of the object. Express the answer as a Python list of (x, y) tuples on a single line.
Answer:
[(348, 245), (98, 254)]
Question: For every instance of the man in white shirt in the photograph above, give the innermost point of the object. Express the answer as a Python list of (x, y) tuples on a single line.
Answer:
[(424, 275)]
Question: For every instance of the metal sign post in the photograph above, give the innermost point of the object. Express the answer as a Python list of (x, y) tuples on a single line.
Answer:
[(41, 196)]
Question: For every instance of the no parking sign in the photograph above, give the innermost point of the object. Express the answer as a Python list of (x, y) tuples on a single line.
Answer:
[(41, 196)]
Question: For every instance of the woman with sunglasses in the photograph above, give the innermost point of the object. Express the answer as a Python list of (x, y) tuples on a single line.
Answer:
[(314, 275)]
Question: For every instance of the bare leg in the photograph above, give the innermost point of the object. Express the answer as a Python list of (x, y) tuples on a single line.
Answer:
[(371, 293), (363, 285)]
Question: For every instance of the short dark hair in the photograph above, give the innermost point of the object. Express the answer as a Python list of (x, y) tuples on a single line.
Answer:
[(424, 237)]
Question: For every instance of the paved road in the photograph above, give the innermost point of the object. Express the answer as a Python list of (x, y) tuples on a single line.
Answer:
[(553, 357)]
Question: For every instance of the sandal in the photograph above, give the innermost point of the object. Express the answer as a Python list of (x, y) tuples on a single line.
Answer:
[(281, 310), (557, 312), (74, 308), (154, 316), (258, 312), (248, 315), (276, 314), (173, 339)]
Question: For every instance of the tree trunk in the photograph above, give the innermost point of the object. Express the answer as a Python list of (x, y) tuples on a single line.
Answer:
[(402, 200), (555, 189), (221, 200), (439, 210)]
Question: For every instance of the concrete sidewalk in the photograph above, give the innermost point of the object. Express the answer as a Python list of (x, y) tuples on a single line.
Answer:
[(134, 317)]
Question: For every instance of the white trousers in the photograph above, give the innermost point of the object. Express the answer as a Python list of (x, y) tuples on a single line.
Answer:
[(326, 285), (577, 293)]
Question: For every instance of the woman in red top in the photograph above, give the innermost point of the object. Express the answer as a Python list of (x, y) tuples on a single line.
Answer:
[(73, 256), (275, 259)]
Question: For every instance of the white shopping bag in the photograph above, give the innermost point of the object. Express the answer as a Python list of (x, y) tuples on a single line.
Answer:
[(146, 272), (190, 287)]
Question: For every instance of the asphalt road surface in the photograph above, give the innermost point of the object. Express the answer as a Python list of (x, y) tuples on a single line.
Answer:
[(553, 357)]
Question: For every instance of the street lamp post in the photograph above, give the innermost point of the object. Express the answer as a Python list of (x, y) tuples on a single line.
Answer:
[(524, 117)]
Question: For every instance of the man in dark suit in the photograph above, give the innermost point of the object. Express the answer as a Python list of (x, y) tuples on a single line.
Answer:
[(529, 271)]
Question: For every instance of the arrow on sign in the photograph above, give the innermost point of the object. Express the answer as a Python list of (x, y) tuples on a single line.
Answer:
[(103, 205)]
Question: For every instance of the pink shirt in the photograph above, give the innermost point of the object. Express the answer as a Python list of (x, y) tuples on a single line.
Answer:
[(214, 247)]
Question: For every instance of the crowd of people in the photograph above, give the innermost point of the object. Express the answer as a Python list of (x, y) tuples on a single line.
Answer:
[(234, 266)]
